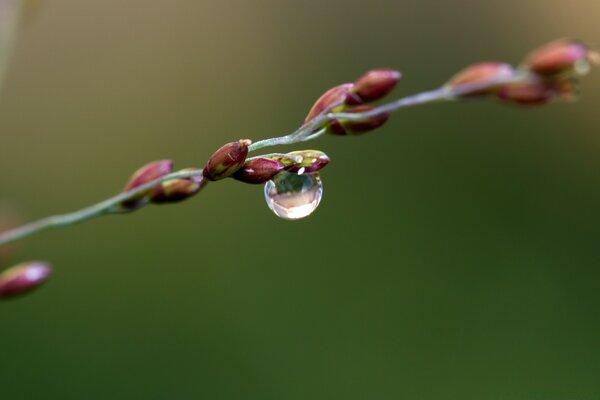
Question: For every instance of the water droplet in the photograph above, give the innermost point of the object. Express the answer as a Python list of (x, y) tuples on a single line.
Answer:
[(294, 196)]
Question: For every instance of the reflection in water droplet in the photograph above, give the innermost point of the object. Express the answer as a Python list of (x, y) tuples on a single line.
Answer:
[(294, 196)]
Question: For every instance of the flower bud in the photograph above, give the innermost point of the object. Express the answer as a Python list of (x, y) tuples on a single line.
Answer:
[(23, 278), (145, 174), (228, 159), (175, 190), (334, 95), (535, 92), (346, 126), (480, 74), (258, 170), (562, 56), (311, 161), (373, 85)]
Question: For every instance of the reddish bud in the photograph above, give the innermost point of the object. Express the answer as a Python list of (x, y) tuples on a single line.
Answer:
[(309, 161), (258, 170), (228, 159), (333, 96), (346, 126), (23, 278), (145, 174), (175, 190), (480, 74), (562, 56), (536, 92), (373, 85)]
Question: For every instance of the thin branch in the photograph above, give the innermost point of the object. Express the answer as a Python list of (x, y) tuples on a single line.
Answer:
[(108, 206), (308, 131)]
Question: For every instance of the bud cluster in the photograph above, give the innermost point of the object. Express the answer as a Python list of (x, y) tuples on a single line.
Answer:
[(351, 98), (170, 191), (263, 169), (547, 73)]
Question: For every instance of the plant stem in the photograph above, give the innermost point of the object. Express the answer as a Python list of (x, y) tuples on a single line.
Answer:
[(108, 206), (10, 11), (308, 131)]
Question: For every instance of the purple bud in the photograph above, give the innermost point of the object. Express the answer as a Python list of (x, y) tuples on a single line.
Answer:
[(536, 92), (373, 85), (175, 190), (23, 278), (562, 56), (258, 170), (480, 74), (344, 127), (145, 174), (334, 95), (311, 161), (228, 159)]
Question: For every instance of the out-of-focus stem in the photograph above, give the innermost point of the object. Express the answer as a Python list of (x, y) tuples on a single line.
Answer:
[(10, 12)]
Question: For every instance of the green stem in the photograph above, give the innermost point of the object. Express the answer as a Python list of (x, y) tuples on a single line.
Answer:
[(108, 206)]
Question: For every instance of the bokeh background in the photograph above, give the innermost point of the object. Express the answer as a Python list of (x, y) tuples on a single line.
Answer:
[(455, 254)]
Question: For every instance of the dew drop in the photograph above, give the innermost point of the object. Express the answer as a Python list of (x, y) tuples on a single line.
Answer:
[(294, 196)]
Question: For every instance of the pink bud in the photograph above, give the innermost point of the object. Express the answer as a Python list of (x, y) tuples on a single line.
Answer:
[(333, 96), (226, 160), (145, 174), (310, 161), (23, 278), (561, 56), (344, 127), (175, 190), (480, 74), (373, 85), (258, 170), (535, 92)]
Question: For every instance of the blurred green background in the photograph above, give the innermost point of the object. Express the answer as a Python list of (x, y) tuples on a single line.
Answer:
[(455, 254)]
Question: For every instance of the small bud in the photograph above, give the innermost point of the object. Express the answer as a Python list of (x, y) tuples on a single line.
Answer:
[(334, 95), (145, 174), (480, 74), (344, 127), (258, 170), (175, 190), (562, 56), (536, 92), (23, 278), (311, 161), (373, 85), (228, 159)]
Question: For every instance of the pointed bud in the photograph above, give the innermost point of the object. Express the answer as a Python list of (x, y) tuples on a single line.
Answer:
[(258, 170), (536, 92), (23, 278), (175, 190), (309, 161), (562, 56), (480, 74), (373, 85), (228, 159), (344, 127), (145, 174), (333, 96)]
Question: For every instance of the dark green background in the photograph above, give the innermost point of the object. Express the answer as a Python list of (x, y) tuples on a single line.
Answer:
[(455, 254)]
